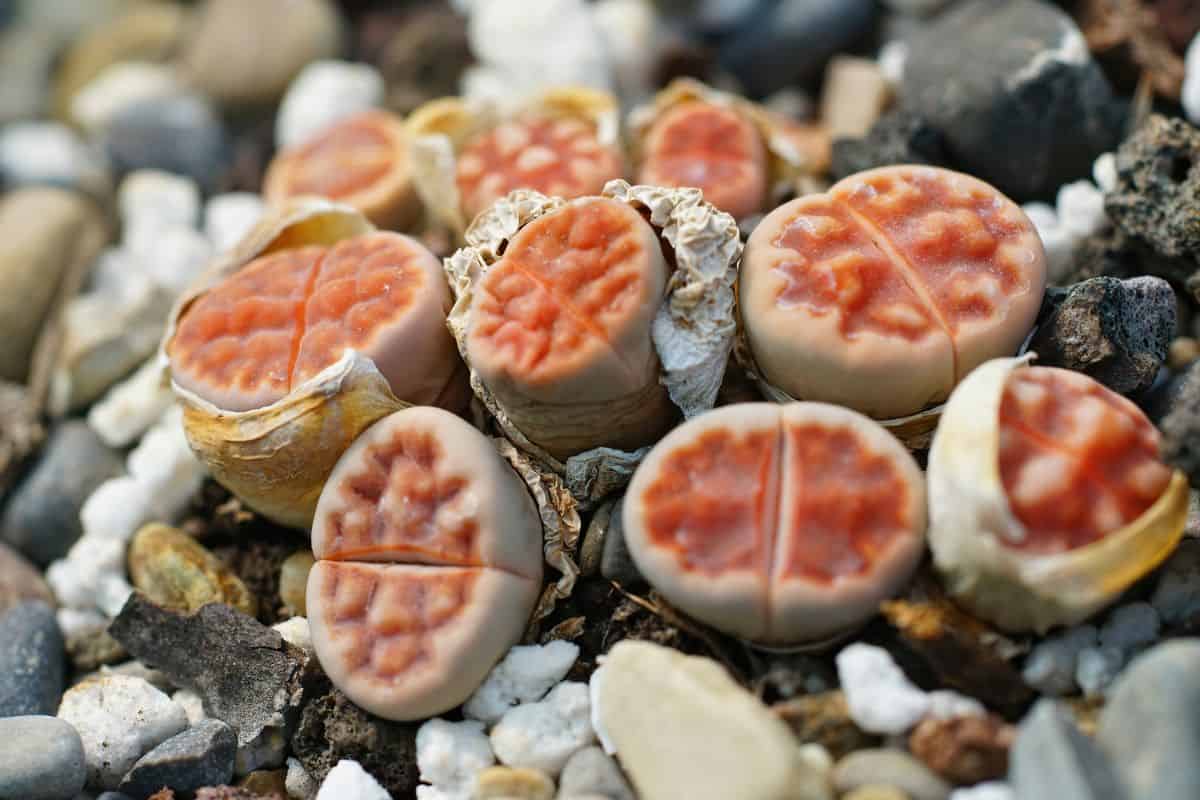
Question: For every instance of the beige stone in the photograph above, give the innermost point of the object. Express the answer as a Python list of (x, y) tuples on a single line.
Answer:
[(293, 581), (177, 572), (513, 783), (854, 95)]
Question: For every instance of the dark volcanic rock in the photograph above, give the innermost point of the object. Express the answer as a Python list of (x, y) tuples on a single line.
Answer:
[(1156, 204), (1114, 331), (898, 137), (31, 661), (1015, 92), (332, 728), (42, 517), (200, 756), (248, 676), (1181, 427)]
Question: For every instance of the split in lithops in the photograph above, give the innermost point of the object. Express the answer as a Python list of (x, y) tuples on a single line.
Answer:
[(313, 328), (563, 143), (429, 561), (780, 524), (362, 160), (1047, 497), (881, 294)]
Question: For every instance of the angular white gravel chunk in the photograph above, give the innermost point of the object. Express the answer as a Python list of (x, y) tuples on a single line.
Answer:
[(349, 781), (155, 195), (545, 734), (1191, 82), (451, 754), (323, 93), (525, 675), (295, 631), (228, 217), (129, 409), (880, 696)]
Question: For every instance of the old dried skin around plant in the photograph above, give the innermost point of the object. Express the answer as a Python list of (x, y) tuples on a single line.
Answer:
[(881, 294), (778, 524), (1047, 497), (429, 564)]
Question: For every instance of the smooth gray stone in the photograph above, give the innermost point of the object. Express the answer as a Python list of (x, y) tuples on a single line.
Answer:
[(41, 758), (889, 767), (616, 562), (32, 658), (1052, 760), (181, 134), (1150, 725), (200, 756)]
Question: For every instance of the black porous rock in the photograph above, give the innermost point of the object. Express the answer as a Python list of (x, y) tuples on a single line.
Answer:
[(901, 136), (332, 728), (31, 661), (200, 756), (1015, 92), (1156, 203), (1116, 331), (41, 519), (247, 675), (785, 41), (1181, 427)]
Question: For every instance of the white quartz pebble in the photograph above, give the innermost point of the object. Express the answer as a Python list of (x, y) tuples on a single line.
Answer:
[(1191, 82), (120, 86), (545, 734), (1104, 172), (349, 781), (155, 195), (50, 153), (295, 631), (630, 32), (228, 217), (1080, 209), (451, 754), (992, 790), (880, 697), (946, 704), (129, 409), (323, 93), (169, 254), (1058, 241), (892, 58), (525, 675)]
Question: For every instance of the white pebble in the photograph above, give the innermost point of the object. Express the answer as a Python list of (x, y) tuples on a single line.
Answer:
[(992, 790), (170, 254), (891, 59), (1058, 242), (525, 675), (129, 409), (880, 697), (545, 734), (162, 197), (1050, 667), (229, 217), (117, 87), (323, 93), (119, 718), (630, 32), (1080, 209), (1130, 628), (451, 754), (76, 622), (50, 153), (1104, 172), (1097, 667), (192, 705), (1191, 82), (945, 704), (349, 781), (295, 631), (112, 591), (164, 464), (299, 784), (116, 509)]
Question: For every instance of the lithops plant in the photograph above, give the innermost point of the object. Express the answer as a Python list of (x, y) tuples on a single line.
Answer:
[(781, 524), (314, 327), (429, 561), (882, 293), (1047, 497), (362, 161)]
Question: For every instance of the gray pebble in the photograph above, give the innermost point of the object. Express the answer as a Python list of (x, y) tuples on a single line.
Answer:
[(1050, 667), (591, 771), (41, 758), (616, 564), (1051, 758), (181, 134), (31, 660), (888, 767), (1150, 725), (1177, 595), (113, 796), (1097, 667), (1130, 627), (200, 756), (1181, 427), (42, 518)]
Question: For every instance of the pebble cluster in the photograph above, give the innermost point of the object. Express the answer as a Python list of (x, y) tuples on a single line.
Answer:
[(687, 640)]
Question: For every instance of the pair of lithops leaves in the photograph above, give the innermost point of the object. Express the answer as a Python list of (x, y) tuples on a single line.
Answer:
[(787, 525)]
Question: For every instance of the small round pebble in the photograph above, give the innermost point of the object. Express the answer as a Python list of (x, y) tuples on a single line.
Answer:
[(31, 660), (1097, 667), (151, 194), (52, 154), (451, 754), (229, 217), (41, 758), (890, 768), (1050, 667), (1131, 627), (513, 783)]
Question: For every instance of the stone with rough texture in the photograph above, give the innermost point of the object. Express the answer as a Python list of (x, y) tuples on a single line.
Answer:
[(248, 676), (349, 781), (451, 754), (20, 581), (889, 768), (1015, 92), (31, 660), (524, 676), (299, 784), (200, 756), (724, 742), (1114, 331), (41, 519), (177, 572), (543, 735), (592, 771), (1052, 759), (1150, 726), (120, 718), (41, 758)]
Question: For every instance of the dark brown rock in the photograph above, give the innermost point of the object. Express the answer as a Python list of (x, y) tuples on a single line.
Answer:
[(964, 750)]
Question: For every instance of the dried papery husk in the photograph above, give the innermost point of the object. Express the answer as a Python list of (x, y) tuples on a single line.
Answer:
[(276, 458), (692, 331), (441, 128), (970, 518), (787, 163)]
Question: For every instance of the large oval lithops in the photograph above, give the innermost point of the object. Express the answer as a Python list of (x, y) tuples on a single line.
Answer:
[(557, 156), (711, 147), (882, 293), (429, 561), (362, 161), (559, 329), (781, 524), (1047, 496)]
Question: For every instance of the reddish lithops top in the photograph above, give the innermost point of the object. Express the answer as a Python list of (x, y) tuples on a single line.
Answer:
[(429, 563), (710, 147), (883, 293), (361, 161), (557, 157), (1077, 460), (779, 524), (286, 316), (562, 322)]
